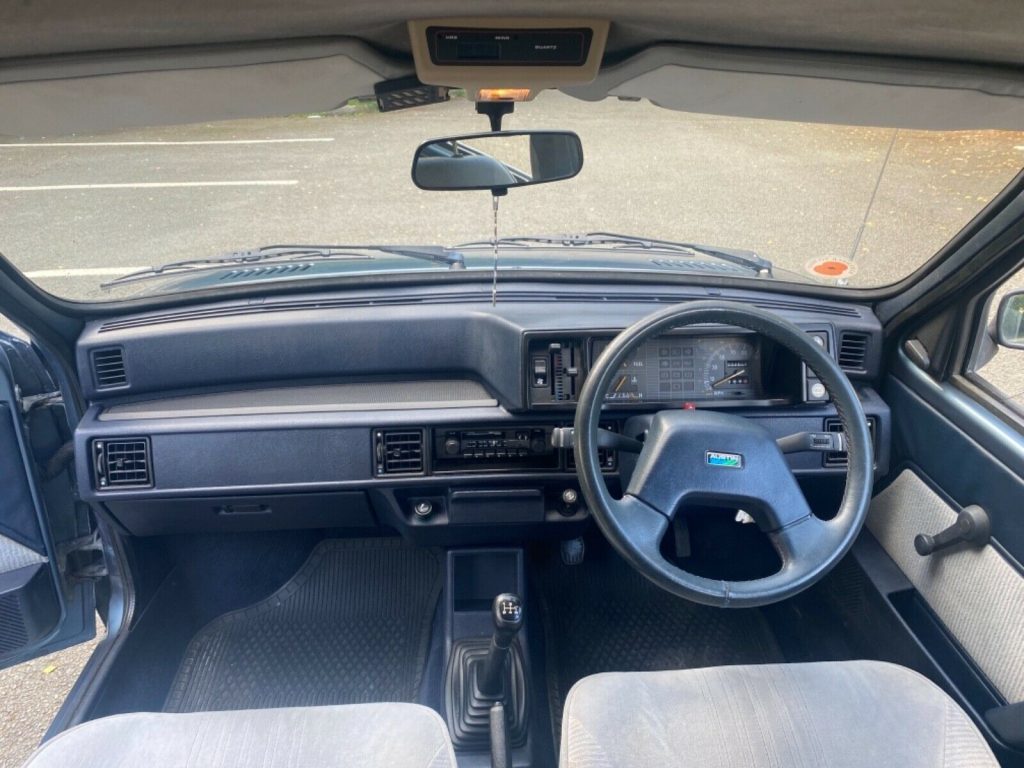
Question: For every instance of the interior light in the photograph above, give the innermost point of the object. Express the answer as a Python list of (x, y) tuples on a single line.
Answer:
[(503, 94)]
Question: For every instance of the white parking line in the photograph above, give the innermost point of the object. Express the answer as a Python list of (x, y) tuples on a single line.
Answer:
[(81, 272), (198, 143), (158, 185)]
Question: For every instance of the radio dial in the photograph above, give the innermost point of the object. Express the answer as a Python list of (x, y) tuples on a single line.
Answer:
[(452, 446)]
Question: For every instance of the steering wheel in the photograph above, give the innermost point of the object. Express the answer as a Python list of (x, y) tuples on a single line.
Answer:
[(720, 459)]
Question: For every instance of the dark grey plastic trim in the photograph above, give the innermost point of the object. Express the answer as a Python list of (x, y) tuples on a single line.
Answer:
[(324, 398)]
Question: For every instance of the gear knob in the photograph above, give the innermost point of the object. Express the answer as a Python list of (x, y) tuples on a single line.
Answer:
[(507, 613)]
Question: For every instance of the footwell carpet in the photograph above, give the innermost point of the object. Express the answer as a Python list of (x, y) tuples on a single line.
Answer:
[(602, 616), (352, 626)]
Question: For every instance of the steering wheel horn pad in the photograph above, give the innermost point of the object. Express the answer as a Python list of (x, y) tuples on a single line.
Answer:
[(715, 458), (720, 459)]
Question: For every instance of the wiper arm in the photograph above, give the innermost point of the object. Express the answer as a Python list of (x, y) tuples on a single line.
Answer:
[(437, 254), (760, 266)]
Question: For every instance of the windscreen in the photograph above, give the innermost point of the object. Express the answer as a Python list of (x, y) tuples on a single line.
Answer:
[(827, 204)]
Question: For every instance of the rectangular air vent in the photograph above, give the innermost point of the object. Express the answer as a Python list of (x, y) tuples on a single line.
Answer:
[(108, 368), (853, 350), (837, 459), (399, 452), (122, 463)]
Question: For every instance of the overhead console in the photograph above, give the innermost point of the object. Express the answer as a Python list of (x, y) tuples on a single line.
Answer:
[(508, 59), (452, 46)]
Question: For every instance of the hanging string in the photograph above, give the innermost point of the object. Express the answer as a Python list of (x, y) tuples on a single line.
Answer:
[(494, 242)]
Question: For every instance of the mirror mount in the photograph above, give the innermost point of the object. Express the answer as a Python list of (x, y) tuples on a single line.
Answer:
[(495, 111)]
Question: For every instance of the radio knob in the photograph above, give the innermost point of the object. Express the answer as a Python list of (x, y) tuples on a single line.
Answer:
[(452, 446)]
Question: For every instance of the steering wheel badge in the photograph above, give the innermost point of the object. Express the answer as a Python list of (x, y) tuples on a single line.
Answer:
[(720, 459)]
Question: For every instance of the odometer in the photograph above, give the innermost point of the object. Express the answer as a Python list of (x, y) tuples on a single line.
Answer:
[(729, 369)]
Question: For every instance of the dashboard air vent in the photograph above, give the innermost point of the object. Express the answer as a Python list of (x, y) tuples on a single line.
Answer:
[(838, 458), (399, 452), (853, 350), (108, 368), (122, 463)]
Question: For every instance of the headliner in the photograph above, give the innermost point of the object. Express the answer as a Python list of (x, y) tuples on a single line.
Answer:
[(980, 31)]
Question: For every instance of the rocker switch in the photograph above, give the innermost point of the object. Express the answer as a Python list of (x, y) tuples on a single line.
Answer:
[(540, 371)]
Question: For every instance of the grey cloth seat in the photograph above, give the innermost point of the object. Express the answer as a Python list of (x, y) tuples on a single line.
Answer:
[(359, 735), (838, 714)]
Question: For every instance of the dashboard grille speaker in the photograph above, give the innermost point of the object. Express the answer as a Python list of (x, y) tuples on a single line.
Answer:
[(108, 367), (853, 350), (399, 452), (122, 463)]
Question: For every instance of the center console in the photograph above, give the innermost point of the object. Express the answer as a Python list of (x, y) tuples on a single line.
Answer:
[(491, 626)]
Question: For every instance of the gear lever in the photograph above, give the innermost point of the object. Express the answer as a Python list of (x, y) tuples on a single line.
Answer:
[(507, 613), (488, 673)]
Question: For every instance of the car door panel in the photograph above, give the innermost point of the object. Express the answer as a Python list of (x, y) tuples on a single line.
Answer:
[(962, 607), (972, 456), (41, 609), (976, 592)]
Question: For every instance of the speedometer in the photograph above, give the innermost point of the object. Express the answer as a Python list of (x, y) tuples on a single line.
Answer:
[(729, 368)]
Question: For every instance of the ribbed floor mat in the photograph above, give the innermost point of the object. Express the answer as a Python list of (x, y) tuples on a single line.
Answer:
[(602, 616), (351, 626)]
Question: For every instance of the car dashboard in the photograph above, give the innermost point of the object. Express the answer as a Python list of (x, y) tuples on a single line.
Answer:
[(429, 413)]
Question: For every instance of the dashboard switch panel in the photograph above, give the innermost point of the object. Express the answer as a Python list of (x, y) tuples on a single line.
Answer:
[(555, 366)]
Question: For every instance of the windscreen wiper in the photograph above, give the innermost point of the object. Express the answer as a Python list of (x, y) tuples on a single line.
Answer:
[(437, 254), (760, 266)]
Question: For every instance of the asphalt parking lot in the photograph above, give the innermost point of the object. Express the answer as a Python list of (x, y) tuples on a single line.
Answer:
[(77, 211), (31, 694)]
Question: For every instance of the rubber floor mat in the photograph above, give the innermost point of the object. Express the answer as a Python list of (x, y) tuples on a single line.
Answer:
[(602, 616), (352, 626)]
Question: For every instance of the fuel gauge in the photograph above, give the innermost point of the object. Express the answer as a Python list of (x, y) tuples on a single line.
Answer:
[(626, 387)]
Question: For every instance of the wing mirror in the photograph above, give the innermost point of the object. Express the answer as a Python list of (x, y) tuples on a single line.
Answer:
[(1010, 321), (497, 161)]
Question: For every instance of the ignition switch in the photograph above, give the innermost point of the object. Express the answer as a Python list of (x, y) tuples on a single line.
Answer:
[(570, 498)]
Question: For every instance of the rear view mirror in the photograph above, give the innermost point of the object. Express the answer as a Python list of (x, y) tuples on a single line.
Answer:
[(1010, 322), (497, 161)]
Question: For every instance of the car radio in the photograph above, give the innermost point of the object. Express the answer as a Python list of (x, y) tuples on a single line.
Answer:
[(523, 447)]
